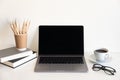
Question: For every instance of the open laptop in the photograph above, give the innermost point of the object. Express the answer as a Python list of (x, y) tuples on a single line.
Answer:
[(61, 49)]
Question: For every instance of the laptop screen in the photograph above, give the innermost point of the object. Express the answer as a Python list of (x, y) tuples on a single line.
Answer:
[(61, 40)]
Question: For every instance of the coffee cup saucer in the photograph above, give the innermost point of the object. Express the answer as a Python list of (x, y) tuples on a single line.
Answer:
[(93, 59)]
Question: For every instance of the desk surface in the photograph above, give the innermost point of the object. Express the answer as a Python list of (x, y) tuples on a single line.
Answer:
[(26, 72)]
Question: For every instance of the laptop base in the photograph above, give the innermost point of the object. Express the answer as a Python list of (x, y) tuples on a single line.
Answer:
[(61, 67)]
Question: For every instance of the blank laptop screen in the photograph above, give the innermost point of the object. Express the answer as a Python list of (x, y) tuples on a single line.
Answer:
[(61, 40)]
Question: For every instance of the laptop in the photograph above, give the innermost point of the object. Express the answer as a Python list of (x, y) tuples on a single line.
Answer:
[(61, 49)]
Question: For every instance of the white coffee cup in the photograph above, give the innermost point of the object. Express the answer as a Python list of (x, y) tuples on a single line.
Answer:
[(101, 54)]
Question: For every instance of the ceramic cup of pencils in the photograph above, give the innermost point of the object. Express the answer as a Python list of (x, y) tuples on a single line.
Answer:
[(20, 35)]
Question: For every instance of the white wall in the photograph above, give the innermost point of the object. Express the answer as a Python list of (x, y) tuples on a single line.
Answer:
[(101, 20)]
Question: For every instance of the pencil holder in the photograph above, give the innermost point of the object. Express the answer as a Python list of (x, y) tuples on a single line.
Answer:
[(21, 41)]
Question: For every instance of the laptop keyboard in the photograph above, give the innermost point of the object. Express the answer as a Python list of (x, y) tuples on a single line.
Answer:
[(61, 60)]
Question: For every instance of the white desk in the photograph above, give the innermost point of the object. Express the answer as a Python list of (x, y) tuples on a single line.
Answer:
[(26, 72)]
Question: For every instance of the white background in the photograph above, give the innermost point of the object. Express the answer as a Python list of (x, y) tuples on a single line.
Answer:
[(101, 20)]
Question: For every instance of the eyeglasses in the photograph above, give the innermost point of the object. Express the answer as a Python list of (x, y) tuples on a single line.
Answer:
[(108, 70)]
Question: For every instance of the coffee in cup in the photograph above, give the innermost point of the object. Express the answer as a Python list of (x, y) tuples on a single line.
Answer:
[(101, 54)]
